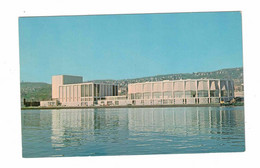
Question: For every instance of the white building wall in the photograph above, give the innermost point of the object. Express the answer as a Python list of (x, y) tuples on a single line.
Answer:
[(181, 91), (59, 80)]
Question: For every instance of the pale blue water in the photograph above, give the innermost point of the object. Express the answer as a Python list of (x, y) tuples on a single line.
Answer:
[(128, 131)]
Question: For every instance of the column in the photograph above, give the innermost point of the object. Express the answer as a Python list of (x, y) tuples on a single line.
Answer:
[(184, 94), (209, 91), (219, 86), (173, 92), (196, 85), (162, 92), (228, 95)]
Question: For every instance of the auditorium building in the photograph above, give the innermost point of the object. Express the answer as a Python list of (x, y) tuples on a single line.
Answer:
[(72, 91)]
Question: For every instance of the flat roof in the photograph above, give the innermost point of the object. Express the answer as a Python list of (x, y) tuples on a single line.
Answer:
[(88, 83), (180, 80)]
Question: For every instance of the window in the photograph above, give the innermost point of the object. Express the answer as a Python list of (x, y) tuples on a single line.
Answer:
[(214, 93), (190, 93), (95, 90), (167, 95), (178, 94), (147, 95), (157, 95), (138, 96), (86, 90), (82, 90), (202, 93), (90, 90), (223, 93)]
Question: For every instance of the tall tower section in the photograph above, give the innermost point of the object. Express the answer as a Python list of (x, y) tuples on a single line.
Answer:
[(59, 80)]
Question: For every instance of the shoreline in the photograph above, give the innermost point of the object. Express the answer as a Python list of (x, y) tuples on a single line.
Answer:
[(128, 106)]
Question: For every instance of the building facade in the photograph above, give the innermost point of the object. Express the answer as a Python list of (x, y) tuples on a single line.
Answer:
[(71, 91), (59, 80), (199, 91)]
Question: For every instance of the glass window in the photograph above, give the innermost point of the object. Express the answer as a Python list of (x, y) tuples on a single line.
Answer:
[(138, 96), (202, 93), (223, 93), (178, 94), (95, 90), (82, 91), (214, 93), (167, 95), (87, 90), (147, 95), (90, 90), (132, 96), (98, 90), (190, 93), (157, 95)]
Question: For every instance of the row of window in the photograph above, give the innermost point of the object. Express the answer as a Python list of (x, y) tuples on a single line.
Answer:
[(181, 101), (179, 94), (107, 90), (178, 86)]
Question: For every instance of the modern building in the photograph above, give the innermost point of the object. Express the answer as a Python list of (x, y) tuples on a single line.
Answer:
[(72, 91), (190, 91)]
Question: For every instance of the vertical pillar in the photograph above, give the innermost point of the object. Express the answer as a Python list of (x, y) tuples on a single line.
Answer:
[(233, 89), (76, 93), (66, 97), (208, 90), (173, 98), (69, 92), (143, 92), (196, 85), (219, 93), (219, 85), (59, 93), (101, 89), (228, 95), (162, 92), (184, 94), (92, 92), (151, 92), (72, 91)]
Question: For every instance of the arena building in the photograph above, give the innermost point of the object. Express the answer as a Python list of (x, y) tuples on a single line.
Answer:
[(190, 91)]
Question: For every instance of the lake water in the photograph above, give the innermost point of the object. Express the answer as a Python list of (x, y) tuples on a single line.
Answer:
[(130, 131)]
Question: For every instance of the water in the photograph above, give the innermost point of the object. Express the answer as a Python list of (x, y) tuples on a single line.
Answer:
[(128, 131)]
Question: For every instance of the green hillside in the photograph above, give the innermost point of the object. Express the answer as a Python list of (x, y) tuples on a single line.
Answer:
[(35, 91)]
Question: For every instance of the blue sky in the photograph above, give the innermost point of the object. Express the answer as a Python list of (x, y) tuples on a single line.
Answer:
[(128, 46)]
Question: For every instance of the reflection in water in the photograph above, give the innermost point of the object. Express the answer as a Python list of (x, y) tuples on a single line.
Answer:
[(84, 132)]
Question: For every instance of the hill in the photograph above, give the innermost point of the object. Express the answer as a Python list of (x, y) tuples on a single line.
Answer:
[(35, 91)]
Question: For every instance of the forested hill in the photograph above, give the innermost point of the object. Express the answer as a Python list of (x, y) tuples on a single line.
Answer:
[(35, 91)]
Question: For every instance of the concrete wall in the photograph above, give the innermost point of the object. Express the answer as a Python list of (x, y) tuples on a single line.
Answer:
[(84, 93), (191, 91), (114, 102), (48, 103), (59, 80)]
